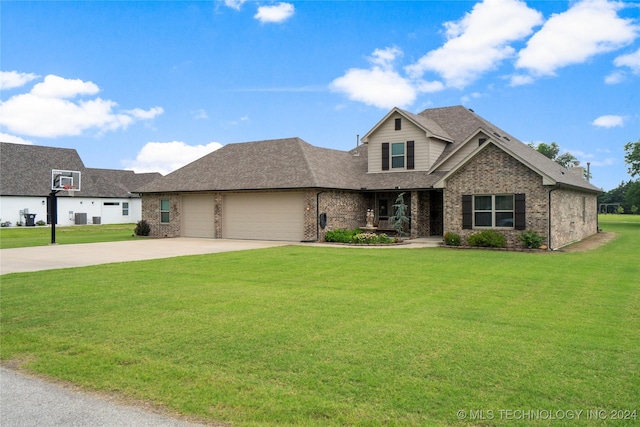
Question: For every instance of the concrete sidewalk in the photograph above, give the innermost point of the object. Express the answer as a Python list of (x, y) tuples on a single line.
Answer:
[(66, 256)]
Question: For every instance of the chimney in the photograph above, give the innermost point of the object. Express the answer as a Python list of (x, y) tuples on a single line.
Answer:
[(577, 171)]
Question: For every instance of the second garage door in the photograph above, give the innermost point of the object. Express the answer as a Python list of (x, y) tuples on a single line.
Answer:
[(198, 216), (268, 216)]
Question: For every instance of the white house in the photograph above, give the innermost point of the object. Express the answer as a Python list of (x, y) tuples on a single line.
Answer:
[(25, 184)]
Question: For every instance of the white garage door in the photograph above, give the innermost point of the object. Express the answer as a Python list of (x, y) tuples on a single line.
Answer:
[(268, 216), (198, 216)]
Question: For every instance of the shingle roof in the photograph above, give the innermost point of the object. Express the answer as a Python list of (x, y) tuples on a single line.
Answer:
[(461, 124), (25, 170), (273, 164), (293, 163)]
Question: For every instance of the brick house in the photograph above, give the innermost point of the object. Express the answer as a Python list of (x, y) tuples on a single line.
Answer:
[(458, 172)]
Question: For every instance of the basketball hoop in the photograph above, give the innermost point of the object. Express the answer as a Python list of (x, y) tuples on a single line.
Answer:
[(70, 189)]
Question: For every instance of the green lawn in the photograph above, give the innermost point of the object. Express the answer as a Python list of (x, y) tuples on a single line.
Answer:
[(20, 237), (340, 336)]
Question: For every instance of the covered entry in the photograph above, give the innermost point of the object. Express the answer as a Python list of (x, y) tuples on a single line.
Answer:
[(198, 215), (263, 216)]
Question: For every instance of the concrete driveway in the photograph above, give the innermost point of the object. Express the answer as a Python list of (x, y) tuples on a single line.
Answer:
[(49, 257), (27, 401)]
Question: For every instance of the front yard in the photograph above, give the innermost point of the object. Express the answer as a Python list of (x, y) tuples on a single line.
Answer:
[(341, 336)]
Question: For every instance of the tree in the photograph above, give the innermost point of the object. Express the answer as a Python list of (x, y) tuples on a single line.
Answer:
[(551, 151), (632, 157), (399, 219)]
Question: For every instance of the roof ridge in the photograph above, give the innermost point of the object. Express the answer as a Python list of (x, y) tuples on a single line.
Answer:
[(303, 145)]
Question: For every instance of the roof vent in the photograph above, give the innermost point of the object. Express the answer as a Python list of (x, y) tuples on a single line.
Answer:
[(471, 110), (506, 138), (497, 134)]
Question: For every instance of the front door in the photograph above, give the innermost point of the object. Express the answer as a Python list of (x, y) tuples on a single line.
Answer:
[(436, 214)]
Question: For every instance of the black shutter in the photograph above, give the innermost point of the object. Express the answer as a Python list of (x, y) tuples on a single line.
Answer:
[(410, 155), (385, 156), (467, 212), (520, 207)]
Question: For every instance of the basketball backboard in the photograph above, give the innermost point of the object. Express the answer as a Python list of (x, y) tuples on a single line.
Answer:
[(63, 180)]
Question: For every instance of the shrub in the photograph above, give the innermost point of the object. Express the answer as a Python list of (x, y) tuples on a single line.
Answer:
[(340, 235), (531, 239), (41, 222), (370, 238), (142, 228), (451, 239), (487, 239)]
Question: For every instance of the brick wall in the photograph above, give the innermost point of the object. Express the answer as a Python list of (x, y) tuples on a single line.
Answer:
[(574, 216), (151, 214), (492, 171), (344, 209)]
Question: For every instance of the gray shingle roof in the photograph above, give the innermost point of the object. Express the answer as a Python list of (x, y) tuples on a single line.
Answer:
[(292, 163), (461, 123), (273, 164), (25, 170)]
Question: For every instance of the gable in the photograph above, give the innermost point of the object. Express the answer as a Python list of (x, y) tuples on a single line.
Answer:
[(400, 130)]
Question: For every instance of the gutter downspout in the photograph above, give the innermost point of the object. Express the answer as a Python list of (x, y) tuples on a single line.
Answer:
[(550, 210), (318, 215)]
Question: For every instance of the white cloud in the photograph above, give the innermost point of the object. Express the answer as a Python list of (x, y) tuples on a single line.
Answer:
[(381, 85), (275, 14), (141, 114), (615, 77), (609, 121), (166, 157), (59, 87), (588, 28), (520, 80), (199, 114), (234, 4), (13, 79), (606, 162), (631, 60), (5, 137), (50, 110), (478, 42)]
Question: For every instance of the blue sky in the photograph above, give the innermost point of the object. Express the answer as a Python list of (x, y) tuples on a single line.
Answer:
[(153, 85)]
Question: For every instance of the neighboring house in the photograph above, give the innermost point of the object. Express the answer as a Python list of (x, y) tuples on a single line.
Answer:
[(25, 184), (458, 172)]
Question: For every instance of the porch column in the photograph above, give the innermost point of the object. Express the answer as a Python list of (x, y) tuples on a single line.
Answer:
[(414, 214)]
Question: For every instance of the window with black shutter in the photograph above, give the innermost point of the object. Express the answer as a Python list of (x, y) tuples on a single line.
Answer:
[(520, 209), (385, 156), (467, 211), (410, 155), (398, 124)]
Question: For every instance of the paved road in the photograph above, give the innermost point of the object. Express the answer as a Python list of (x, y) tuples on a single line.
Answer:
[(30, 402)]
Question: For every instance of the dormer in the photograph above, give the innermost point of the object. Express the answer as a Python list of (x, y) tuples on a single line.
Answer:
[(404, 142)]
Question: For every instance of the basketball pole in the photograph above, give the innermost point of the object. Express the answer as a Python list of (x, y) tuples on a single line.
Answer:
[(53, 214)]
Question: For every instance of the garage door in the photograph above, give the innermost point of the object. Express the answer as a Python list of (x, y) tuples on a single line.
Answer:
[(268, 216), (198, 216)]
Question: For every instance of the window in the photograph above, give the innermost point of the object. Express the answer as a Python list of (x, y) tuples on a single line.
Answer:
[(125, 208), (398, 124), (164, 211), (493, 211), (397, 155)]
